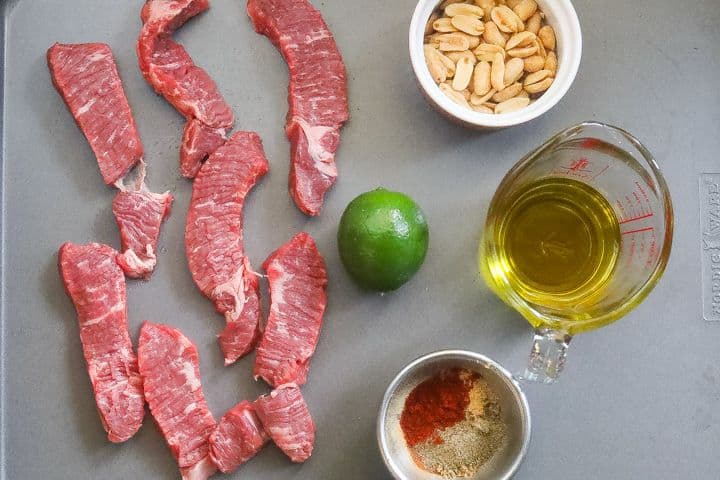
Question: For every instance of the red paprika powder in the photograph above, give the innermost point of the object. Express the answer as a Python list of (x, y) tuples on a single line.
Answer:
[(435, 404)]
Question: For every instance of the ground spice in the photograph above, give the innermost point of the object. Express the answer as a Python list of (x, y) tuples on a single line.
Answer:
[(458, 441), (466, 447), (435, 404)]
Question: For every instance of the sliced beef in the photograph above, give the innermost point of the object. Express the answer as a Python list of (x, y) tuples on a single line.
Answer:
[(238, 437), (86, 77), (317, 93), (169, 366), (96, 286), (214, 239), (139, 214), (187, 87), (297, 277), (198, 142), (170, 70), (286, 418)]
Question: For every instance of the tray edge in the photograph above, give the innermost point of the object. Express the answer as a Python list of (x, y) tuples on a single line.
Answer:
[(4, 14)]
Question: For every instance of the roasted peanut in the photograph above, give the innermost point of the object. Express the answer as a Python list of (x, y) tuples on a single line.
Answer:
[(506, 20), (438, 71), (456, 56), (444, 25), (525, 9), (482, 109), (551, 63), (487, 51), (513, 70), (464, 9), (468, 24), (537, 76), (534, 23), (452, 42), (538, 82), (456, 97), (463, 74), (508, 92), (540, 86), (473, 40), (546, 35), (522, 39), (512, 105), (492, 34), (486, 5), (449, 64), (476, 99), (481, 78), (497, 72), (534, 63), (523, 52)]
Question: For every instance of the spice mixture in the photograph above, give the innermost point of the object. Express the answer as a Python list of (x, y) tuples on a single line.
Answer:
[(452, 423)]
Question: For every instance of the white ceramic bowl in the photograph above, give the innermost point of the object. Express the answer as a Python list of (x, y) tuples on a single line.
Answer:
[(560, 14)]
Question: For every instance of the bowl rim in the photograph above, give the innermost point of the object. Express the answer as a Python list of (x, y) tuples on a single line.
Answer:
[(571, 54), (510, 380)]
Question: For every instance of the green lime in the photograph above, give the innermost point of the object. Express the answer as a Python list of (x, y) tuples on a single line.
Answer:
[(383, 239)]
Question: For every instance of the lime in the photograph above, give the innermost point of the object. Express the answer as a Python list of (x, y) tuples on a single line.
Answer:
[(383, 239)]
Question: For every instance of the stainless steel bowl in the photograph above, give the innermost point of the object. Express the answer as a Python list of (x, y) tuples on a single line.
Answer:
[(513, 405)]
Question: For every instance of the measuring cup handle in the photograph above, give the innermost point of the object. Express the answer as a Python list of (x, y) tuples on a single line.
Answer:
[(547, 357)]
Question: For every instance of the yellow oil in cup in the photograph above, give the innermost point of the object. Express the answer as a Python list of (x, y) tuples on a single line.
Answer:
[(577, 234), (558, 243)]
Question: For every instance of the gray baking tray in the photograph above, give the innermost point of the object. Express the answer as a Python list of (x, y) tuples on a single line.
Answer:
[(639, 399)]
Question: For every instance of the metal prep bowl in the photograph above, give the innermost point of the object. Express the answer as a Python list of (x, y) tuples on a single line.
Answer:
[(513, 405)]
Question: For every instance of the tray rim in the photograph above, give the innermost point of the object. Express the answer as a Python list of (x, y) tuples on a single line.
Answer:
[(4, 9)]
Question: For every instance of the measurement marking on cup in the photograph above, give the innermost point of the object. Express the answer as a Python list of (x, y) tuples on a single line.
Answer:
[(607, 167), (710, 245), (640, 217), (582, 168), (579, 165), (647, 229)]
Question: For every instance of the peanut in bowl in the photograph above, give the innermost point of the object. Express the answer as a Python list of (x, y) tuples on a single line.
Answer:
[(468, 90)]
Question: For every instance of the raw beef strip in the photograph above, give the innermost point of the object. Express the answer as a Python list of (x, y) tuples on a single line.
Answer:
[(187, 87), (88, 80), (138, 214), (237, 438), (198, 142), (167, 66), (96, 286), (297, 277), (285, 417), (170, 370), (317, 94), (214, 239)]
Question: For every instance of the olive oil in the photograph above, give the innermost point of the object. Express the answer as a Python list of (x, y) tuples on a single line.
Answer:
[(556, 246)]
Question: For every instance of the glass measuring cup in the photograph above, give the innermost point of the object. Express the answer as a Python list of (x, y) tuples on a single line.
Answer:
[(622, 173)]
